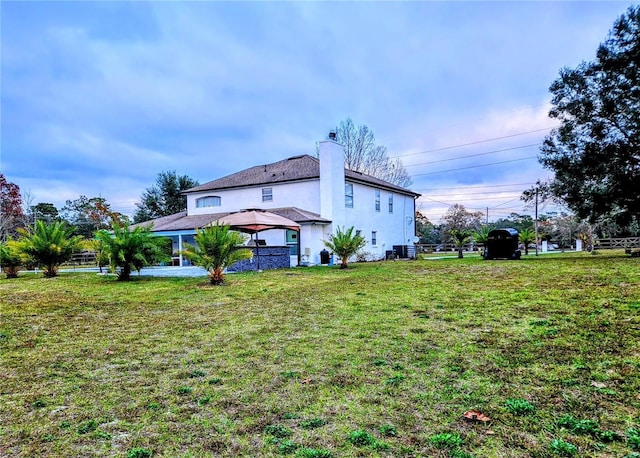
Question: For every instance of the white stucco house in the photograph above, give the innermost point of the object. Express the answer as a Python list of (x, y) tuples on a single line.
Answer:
[(317, 193)]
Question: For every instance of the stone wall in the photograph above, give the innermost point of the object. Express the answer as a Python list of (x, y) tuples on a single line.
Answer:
[(271, 257)]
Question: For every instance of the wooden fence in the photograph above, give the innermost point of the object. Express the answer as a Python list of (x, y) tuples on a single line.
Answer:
[(620, 243)]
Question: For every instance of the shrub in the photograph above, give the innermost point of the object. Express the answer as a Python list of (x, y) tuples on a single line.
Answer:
[(129, 249), (48, 245), (345, 243), (218, 247), (10, 258)]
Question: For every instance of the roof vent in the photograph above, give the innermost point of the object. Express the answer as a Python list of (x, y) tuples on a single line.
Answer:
[(333, 135)]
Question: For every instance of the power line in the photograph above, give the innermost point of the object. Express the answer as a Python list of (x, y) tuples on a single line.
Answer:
[(475, 193), (473, 155), (483, 186), (472, 143), (473, 166)]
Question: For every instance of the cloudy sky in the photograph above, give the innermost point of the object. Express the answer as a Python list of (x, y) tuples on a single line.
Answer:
[(98, 97)]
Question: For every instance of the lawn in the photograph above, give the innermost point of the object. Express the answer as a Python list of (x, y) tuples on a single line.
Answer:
[(382, 359)]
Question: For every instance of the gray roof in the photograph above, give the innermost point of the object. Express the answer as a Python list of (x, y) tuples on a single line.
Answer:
[(295, 168), (181, 222)]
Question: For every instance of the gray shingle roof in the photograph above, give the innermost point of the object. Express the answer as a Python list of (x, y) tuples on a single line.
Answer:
[(295, 168), (181, 222)]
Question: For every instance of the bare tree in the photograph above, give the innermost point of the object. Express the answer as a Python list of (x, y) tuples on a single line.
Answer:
[(459, 218), (362, 154)]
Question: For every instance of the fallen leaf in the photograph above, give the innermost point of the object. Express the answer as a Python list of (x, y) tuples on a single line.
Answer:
[(474, 415), (598, 384)]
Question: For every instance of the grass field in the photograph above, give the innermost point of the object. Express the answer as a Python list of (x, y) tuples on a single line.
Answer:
[(382, 359)]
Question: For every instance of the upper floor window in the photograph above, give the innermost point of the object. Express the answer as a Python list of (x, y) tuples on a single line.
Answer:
[(208, 201), (267, 194), (348, 195), (390, 203), (377, 200)]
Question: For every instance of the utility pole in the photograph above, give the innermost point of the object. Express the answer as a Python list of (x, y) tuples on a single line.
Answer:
[(536, 220), (486, 221)]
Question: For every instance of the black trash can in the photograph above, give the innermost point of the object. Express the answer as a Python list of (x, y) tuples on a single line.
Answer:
[(324, 257)]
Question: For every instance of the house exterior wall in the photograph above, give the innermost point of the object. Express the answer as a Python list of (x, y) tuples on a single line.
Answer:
[(392, 228), (303, 194)]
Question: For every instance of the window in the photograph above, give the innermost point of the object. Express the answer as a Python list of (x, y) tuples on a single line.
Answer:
[(377, 200), (374, 238), (209, 201), (390, 203), (348, 195), (267, 194)]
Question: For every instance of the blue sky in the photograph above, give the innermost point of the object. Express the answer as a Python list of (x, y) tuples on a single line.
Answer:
[(98, 97)]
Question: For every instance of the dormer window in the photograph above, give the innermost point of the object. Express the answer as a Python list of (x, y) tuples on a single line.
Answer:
[(208, 201)]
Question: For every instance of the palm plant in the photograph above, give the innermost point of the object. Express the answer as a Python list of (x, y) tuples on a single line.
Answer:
[(345, 244), (459, 237), (48, 245), (218, 247), (480, 236), (129, 249), (10, 258), (526, 237)]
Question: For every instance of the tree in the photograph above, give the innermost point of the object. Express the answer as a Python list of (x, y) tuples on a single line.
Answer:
[(460, 237), (48, 245), (595, 152), (427, 232), (11, 214), (164, 198), (345, 244), (128, 249), (527, 236), (362, 154), (459, 218), (516, 221), (88, 215), (218, 247), (44, 211)]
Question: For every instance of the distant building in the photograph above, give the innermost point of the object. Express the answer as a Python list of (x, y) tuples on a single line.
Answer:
[(317, 193)]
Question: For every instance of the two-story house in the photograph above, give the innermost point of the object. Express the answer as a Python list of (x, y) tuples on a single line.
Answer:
[(317, 193)]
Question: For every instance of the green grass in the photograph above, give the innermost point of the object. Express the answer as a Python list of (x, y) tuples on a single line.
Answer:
[(294, 361)]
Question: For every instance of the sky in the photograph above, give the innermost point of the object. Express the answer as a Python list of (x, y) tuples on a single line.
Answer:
[(97, 98)]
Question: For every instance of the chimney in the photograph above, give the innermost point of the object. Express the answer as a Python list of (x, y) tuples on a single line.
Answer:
[(332, 201)]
